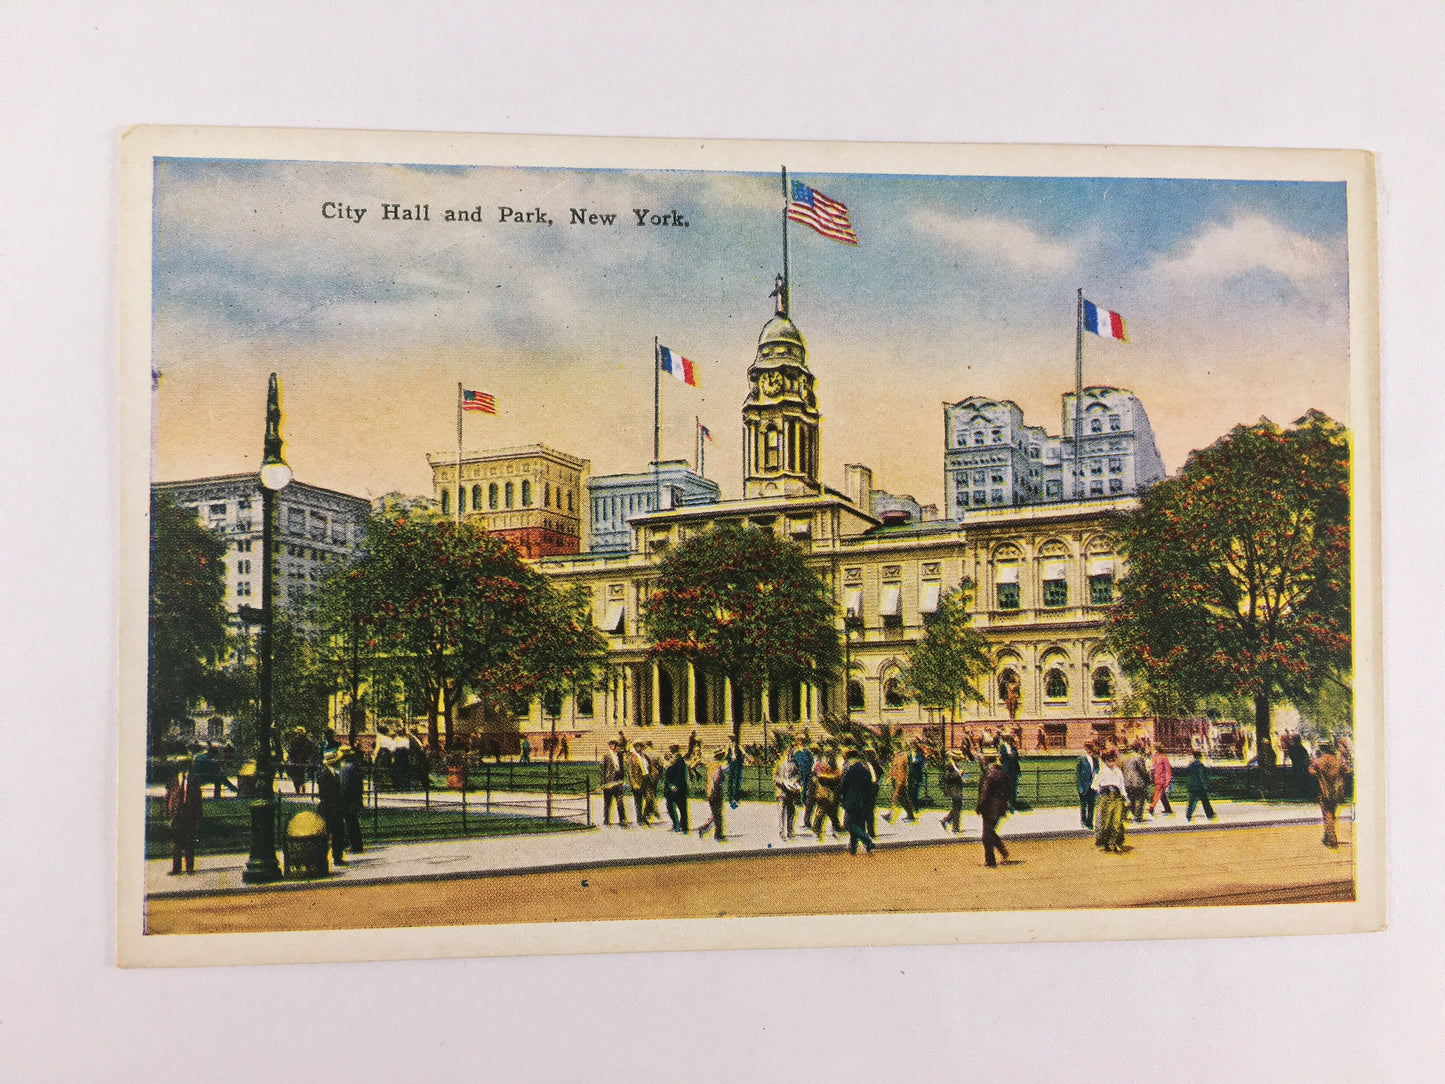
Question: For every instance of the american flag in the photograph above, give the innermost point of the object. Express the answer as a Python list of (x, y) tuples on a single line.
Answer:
[(479, 401), (827, 216), (703, 432)]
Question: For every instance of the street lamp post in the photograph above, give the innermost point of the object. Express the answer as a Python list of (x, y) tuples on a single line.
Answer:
[(262, 866)]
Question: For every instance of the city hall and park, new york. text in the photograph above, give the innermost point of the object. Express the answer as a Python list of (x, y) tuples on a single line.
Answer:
[(904, 544)]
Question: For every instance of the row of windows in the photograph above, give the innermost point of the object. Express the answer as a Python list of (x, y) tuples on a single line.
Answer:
[(1056, 593), (505, 495), (1056, 687)]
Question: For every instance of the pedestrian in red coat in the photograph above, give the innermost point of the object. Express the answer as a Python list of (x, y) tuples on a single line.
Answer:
[(1163, 776)]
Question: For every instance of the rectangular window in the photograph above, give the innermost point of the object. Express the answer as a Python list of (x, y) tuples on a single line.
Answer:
[(1116, 485), (1056, 593), (1101, 589), (997, 478), (1116, 464), (1054, 489), (1008, 596), (1114, 423), (998, 496), (979, 497), (1096, 489)]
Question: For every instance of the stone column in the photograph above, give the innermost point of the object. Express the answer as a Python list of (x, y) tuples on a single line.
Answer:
[(656, 696), (689, 716), (767, 703), (727, 701)]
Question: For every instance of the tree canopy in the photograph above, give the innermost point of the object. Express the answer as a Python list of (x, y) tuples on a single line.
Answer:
[(1239, 569), (741, 602), (188, 621), (459, 609), (945, 664)]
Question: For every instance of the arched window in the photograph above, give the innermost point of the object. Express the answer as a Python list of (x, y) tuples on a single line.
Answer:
[(855, 695), (546, 494), (507, 492), (893, 694), (1096, 425), (1103, 684), (446, 502), (569, 500), (492, 496), (476, 498), (526, 494), (1056, 685)]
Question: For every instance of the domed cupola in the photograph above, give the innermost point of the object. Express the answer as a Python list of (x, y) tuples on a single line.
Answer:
[(780, 417)]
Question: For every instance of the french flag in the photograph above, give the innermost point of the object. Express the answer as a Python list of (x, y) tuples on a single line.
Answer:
[(1102, 322), (673, 363)]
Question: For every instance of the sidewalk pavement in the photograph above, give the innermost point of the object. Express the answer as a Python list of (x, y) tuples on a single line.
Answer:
[(752, 829)]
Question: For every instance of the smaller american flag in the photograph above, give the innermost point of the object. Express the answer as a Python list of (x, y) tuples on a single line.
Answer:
[(479, 401), (703, 431), (827, 216)]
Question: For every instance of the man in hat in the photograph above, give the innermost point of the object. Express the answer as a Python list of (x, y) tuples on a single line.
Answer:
[(1137, 781), (953, 784), (638, 777), (1111, 815), (331, 806), (902, 792), (857, 794), (826, 780), (994, 792), (675, 789), (352, 797), (735, 760), (804, 757), (299, 753), (716, 796), (1329, 773), (613, 782), (185, 800), (1085, 769), (1196, 777), (789, 786)]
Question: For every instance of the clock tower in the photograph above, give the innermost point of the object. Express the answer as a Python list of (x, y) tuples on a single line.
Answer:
[(780, 417)]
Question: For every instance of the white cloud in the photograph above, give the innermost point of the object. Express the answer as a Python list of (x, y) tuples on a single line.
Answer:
[(998, 239), (1249, 243)]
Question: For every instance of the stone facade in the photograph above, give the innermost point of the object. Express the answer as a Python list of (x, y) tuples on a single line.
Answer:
[(532, 496), (614, 499)]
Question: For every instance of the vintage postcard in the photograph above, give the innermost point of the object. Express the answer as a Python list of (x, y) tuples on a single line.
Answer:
[(542, 545)]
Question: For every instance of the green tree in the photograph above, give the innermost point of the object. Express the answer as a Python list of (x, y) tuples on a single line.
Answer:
[(455, 606), (1238, 569), (944, 666), (188, 627), (742, 603)]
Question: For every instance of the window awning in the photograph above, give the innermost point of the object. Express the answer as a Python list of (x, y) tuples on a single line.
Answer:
[(1101, 566), (853, 601), (615, 619), (1006, 574), (891, 604), (1053, 570), (928, 597)]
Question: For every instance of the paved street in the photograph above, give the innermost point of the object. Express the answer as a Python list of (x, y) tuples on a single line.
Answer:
[(1242, 851), (1279, 864)]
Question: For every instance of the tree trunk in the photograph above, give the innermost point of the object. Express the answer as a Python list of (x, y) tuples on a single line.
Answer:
[(1262, 744), (449, 714), (432, 737)]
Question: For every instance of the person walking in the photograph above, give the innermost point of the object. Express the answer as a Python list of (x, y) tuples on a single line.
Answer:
[(1085, 769), (790, 792), (804, 758), (826, 780), (330, 806), (898, 776), (299, 752), (953, 786), (917, 766), (735, 772), (1110, 815), (858, 794), (716, 797), (1196, 778), (185, 805), (1008, 758), (654, 782), (994, 789), (1137, 782), (614, 782), (675, 789), (353, 797), (1329, 773), (1163, 773)]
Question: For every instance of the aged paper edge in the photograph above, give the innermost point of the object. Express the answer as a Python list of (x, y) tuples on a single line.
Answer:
[(140, 145)]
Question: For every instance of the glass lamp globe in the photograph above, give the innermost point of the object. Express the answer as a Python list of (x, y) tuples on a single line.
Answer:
[(275, 475)]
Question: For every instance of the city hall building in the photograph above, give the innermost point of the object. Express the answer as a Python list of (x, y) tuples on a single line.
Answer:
[(1044, 570)]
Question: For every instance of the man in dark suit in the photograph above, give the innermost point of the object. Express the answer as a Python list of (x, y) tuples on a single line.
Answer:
[(352, 797), (674, 783), (857, 793), (330, 805), (994, 791), (1084, 772)]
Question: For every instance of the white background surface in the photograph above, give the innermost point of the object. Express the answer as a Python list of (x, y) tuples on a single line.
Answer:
[(1319, 75)]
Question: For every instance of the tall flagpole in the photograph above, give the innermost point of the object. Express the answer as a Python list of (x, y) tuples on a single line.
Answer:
[(1079, 397), (786, 299), (697, 442), (459, 451), (656, 424)]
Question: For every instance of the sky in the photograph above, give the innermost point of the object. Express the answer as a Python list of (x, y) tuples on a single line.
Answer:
[(1235, 294)]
